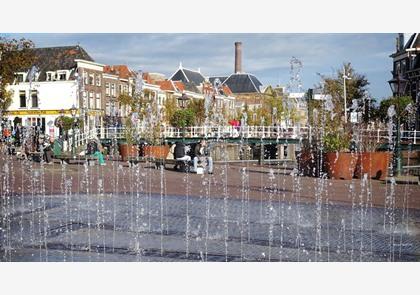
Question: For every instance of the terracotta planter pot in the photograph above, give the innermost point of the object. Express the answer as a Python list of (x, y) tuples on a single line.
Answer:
[(375, 164), (128, 150), (153, 151), (340, 165)]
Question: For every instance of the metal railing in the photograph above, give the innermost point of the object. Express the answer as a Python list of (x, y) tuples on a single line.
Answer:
[(81, 138), (263, 132), (213, 131), (382, 135)]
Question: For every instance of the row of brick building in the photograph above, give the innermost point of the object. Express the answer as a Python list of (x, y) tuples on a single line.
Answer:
[(66, 78)]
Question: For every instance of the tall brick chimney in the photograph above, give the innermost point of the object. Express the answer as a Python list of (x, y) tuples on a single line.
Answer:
[(238, 57)]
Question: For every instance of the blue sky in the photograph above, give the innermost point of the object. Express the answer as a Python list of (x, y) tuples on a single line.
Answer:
[(265, 55)]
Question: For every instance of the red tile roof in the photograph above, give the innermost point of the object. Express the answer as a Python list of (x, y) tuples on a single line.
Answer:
[(147, 78), (166, 85), (179, 85), (227, 90), (121, 70)]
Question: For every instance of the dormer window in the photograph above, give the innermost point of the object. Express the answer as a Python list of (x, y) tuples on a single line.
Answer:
[(62, 76), (50, 76), (20, 77)]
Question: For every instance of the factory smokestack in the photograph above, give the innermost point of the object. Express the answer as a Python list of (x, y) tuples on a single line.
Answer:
[(238, 57)]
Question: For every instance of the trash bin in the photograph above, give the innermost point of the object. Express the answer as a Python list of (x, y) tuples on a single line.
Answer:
[(57, 147)]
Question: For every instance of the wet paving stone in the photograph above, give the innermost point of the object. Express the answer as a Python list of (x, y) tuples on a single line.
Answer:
[(150, 228)]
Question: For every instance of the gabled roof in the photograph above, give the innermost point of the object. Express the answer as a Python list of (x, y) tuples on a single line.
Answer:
[(190, 86), (243, 83), (167, 85), (187, 76), (57, 58), (226, 90), (121, 70), (413, 42), (179, 85), (223, 90)]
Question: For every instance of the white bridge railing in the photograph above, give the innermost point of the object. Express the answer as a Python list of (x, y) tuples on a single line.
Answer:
[(215, 132), (263, 132)]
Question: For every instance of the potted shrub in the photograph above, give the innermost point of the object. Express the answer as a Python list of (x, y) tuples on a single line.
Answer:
[(128, 148), (154, 149), (372, 162), (339, 162)]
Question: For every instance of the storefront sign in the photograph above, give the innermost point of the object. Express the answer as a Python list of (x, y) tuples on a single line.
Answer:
[(37, 112)]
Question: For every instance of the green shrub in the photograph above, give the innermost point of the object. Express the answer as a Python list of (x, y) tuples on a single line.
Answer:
[(182, 118), (336, 142)]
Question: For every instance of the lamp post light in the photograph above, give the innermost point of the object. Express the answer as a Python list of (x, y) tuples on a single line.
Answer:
[(345, 77), (183, 101), (73, 111), (398, 85)]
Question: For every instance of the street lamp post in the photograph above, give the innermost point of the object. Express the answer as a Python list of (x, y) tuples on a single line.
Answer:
[(345, 77), (73, 111), (183, 101), (398, 86)]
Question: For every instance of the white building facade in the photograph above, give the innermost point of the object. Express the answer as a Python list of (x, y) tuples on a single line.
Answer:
[(64, 78), (41, 103)]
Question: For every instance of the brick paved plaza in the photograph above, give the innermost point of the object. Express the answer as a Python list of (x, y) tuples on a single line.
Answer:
[(120, 213)]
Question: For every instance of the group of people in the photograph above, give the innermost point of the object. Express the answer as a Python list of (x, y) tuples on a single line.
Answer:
[(27, 141), (199, 155)]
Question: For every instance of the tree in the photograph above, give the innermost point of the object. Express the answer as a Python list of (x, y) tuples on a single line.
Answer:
[(273, 104), (170, 107), (197, 107), (356, 88), (182, 118), (15, 56), (400, 104)]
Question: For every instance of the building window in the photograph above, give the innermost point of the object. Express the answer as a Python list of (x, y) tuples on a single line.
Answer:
[(107, 109), (22, 98), (20, 78), (397, 68), (49, 76), (120, 88), (98, 80), (113, 89), (34, 98), (91, 79), (403, 66), (98, 101), (84, 95), (91, 101), (107, 89), (125, 88), (62, 76)]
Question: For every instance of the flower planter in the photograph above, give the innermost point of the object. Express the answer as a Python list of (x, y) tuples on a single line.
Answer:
[(375, 164), (340, 165), (156, 151), (128, 150)]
